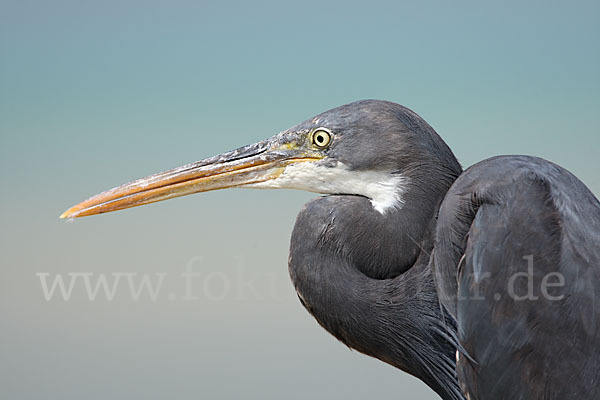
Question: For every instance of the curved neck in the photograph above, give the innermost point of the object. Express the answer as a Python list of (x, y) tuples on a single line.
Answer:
[(365, 278)]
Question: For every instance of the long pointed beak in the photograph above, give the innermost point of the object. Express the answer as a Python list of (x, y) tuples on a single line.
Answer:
[(251, 164)]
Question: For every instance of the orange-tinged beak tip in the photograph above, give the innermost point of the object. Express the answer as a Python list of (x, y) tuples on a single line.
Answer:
[(71, 212), (66, 214)]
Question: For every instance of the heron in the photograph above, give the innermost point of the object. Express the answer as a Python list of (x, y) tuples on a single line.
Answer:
[(482, 283)]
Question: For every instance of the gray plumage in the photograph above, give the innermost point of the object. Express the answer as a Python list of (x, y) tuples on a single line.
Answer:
[(482, 284), (369, 279), (508, 215)]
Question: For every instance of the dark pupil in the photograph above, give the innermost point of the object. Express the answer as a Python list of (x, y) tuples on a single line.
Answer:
[(320, 138)]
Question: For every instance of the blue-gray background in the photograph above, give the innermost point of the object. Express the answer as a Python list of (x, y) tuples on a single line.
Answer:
[(95, 93)]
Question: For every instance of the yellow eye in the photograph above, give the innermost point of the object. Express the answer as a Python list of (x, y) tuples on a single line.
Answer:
[(321, 138)]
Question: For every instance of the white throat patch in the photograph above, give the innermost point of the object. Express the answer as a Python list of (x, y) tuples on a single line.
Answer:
[(384, 190)]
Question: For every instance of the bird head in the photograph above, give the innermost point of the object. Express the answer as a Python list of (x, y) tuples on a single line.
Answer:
[(368, 148)]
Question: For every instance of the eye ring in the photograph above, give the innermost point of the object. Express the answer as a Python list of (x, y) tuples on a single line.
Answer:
[(321, 138)]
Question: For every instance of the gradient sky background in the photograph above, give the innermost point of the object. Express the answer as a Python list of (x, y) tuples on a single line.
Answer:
[(95, 93)]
